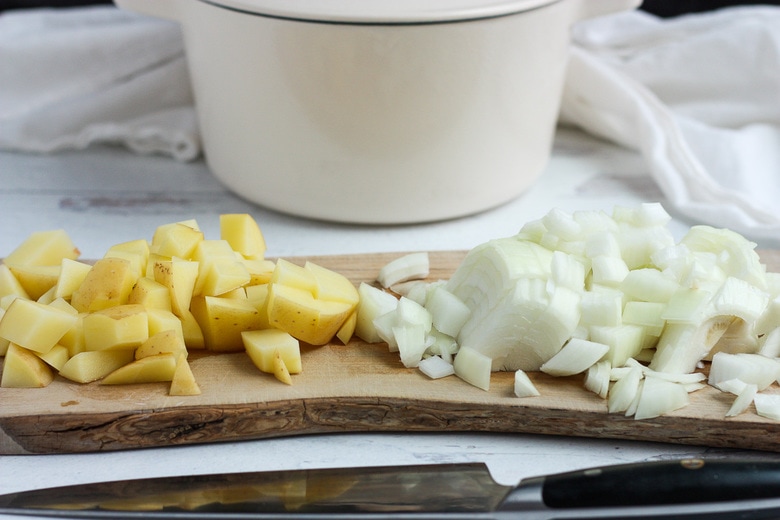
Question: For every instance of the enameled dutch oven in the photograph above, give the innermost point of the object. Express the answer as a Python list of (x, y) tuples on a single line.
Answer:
[(377, 111)]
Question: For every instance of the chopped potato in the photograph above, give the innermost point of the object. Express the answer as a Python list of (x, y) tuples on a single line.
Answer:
[(134, 315), (23, 369), (35, 326)]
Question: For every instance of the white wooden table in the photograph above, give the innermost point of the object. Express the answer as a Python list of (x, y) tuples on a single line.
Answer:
[(102, 196)]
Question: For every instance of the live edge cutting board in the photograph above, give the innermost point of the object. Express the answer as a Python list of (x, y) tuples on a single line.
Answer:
[(347, 388)]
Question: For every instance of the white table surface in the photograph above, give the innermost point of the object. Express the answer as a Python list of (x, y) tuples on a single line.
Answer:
[(102, 196)]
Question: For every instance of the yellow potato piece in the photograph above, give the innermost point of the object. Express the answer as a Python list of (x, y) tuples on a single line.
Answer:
[(293, 275), (116, 328), (183, 382), (72, 275), (179, 276), (35, 326), (9, 285), (222, 320), (136, 251), (162, 320), (220, 276), (3, 342), (43, 248), (166, 342), (178, 239), (86, 367), (63, 305), (36, 279), (56, 357), (107, 284), (347, 330), (137, 261), (23, 369), (331, 285), (152, 369), (297, 312), (73, 340), (193, 335), (263, 346), (257, 295), (151, 294), (260, 271), (243, 234), (280, 369)]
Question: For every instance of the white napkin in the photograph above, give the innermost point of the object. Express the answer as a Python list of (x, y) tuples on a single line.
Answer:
[(699, 97), (73, 77)]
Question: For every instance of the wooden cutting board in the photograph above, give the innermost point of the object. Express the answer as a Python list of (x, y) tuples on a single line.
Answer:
[(347, 388)]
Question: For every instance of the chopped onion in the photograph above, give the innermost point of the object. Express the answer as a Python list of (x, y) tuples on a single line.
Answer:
[(658, 397), (524, 387), (749, 368), (767, 405), (435, 367), (473, 367), (575, 357), (413, 266), (743, 400)]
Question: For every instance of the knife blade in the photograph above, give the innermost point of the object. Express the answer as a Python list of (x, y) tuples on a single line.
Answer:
[(685, 488)]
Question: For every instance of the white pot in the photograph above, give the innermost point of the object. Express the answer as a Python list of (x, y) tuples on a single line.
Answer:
[(377, 112)]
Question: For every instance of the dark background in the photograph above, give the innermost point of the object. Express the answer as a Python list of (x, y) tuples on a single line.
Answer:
[(665, 8)]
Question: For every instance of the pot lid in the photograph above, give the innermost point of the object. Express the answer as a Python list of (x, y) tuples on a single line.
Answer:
[(381, 11)]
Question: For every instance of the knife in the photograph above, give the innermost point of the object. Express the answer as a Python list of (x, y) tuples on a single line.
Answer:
[(686, 488)]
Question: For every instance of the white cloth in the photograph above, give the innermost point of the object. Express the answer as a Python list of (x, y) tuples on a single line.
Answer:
[(73, 77), (699, 97)]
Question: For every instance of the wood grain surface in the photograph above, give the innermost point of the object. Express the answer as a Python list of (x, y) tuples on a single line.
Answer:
[(347, 388)]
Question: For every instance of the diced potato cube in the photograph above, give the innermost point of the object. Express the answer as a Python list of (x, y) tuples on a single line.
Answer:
[(347, 330), (193, 334), (35, 326), (223, 319), (23, 369), (151, 294), (72, 275), (178, 239), (183, 382), (73, 340), (179, 276), (150, 369), (161, 320), (263, 345), (280, 369), (239, 293), (292, 275), (221, 275), (3, 342), (260, 271), (86, 367), (56, 357), (9, 285), (36, 279), (47, 297), (166, 342), (257, 295), (297, 312), (137, 251), (331, 285), (63, 305), (137, 260), (243, 234), (116, 328), (43, 248), (107, 284)]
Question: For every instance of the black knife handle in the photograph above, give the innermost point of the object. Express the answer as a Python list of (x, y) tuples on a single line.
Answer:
[(686, 481)]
